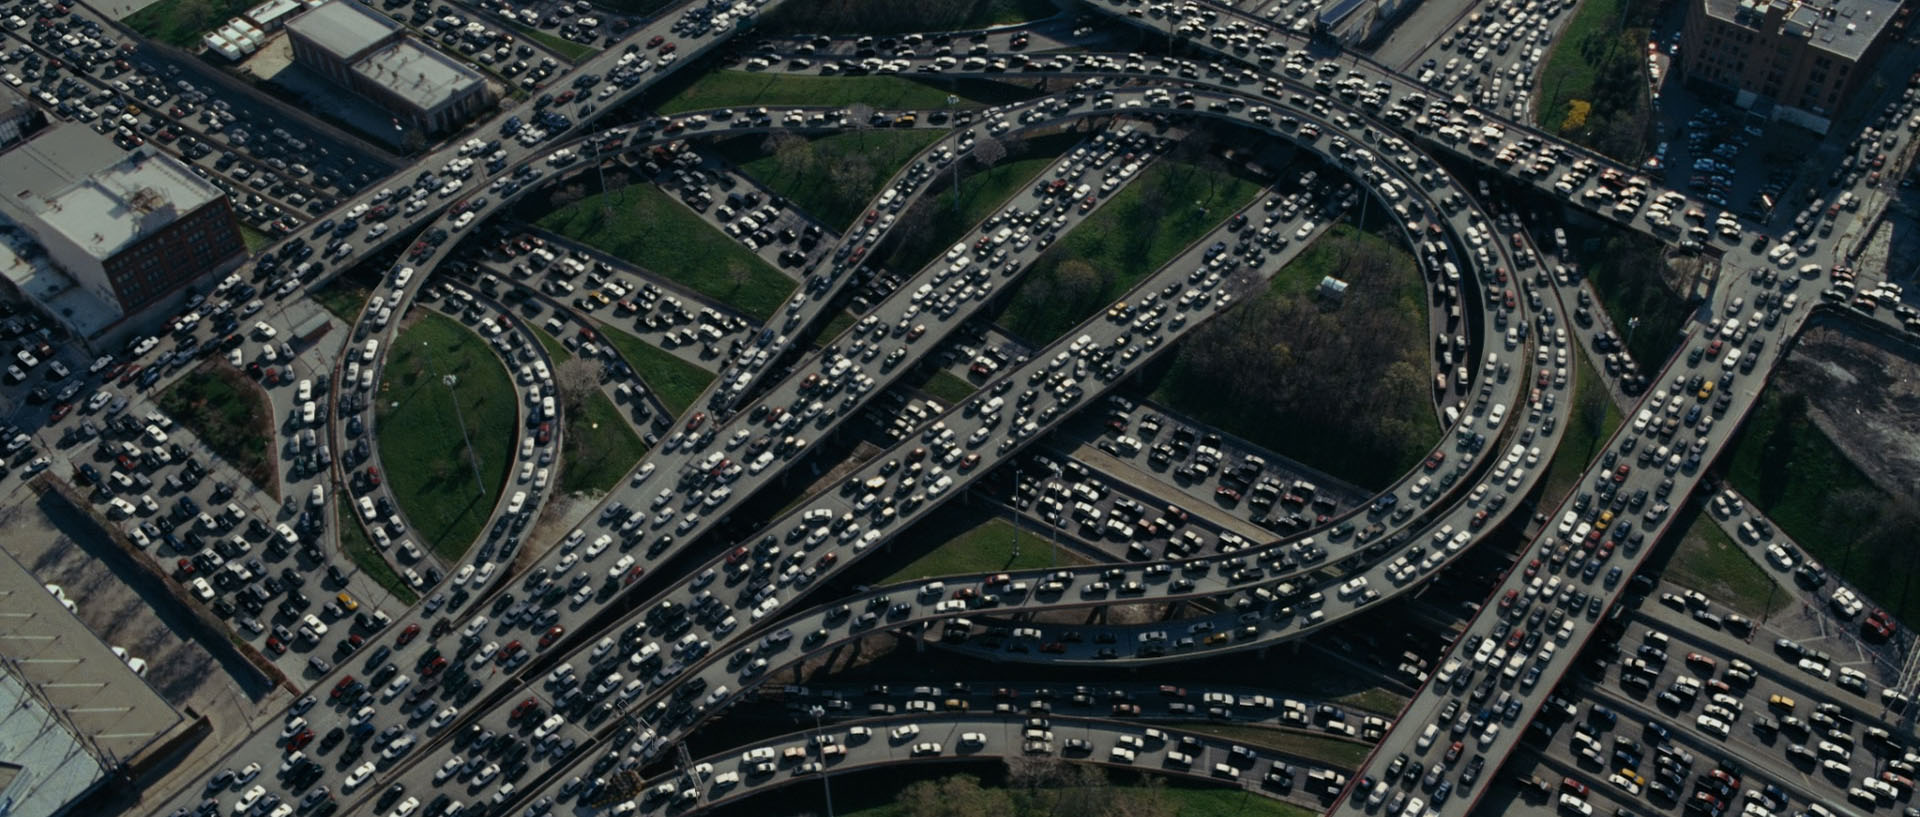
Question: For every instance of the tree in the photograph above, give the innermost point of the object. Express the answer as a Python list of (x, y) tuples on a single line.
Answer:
[(1577, 111), (988, 151), (792, 153), (957, 796), (576, 379), (852, 179)]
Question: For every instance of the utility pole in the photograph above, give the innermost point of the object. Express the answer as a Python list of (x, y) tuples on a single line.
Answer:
[(1013, 508), (817, 711), (951, 100), (473, 459)]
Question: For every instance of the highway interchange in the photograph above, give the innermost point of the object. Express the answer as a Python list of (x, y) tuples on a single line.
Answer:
[(697, 645)]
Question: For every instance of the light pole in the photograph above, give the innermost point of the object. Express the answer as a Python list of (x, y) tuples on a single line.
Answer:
[(1632, 324), (1014, 508), (473, 459), (817, 711), (951, 100)]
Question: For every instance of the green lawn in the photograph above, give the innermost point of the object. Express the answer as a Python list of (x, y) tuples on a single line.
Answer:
[(840, 322), (657, 233), (1707, 560), (1344, 389), (1374, 700), (1340, 754), (555, 350), (254, 238), (985, 547), (229, 413), (344, 297), (566, 49), (181, 23), (600, 447), (426, 460), (1629, 272), (896, 17), (676, 382), (1581, 437), (1135, 233), (725, 88), (948, 387), (1792, 472), (353, 540), (833, 177)]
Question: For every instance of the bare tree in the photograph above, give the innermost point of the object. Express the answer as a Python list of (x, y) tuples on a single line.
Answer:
[(576, 379), (792, 153), (988, 151)]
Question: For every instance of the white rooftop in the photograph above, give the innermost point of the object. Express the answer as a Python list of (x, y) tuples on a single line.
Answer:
[(419, 74), (79, 308), (99, 196), (343, 27)]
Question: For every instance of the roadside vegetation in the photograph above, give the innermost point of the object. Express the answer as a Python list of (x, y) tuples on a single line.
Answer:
[(1707, 560), (1793, 473), (833, 177), (651, 230), (353, 540), (345, 296), (937, 223), (1344, 389), (598, 446), (181, 23), (567, 49), (948, 387), (676, 382), (1340, 754), (968, 544), (1593, 88), (895, 17), (1591, 421), (227, 411), (1634, 280), (426, 459), (1171, 205)]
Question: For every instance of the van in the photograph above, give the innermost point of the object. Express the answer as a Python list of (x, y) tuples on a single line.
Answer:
[(1730, 360), (371, 352)]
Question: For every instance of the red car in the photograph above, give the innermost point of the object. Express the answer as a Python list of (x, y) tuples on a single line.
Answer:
[(520, 711), (546, 433), (340, 689), (695, 421), (407, 635), (553, 634), (1226, 494), (635, 574), (668, 48), (1434, 460), (300, 741), (656, 41), (434, 668), (275, 645), (60, 412)]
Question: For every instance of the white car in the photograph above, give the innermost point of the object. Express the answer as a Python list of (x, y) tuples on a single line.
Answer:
[(358, 777), (902, 734), (246, 801)]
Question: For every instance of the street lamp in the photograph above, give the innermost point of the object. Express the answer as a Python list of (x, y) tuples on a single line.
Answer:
[(951, 101), (1632, 324), (473, 459), (817, 712)]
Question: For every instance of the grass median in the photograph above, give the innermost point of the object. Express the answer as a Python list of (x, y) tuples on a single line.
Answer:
[(1340, 754), (651, 230), (832, 177), (1791, 471), (353, 541), (983, 546), (344, 297), (1591, 422), (567, 49), (181, 23), (981, 193), (676, 382), (446, 477), (1144, 226), (1344, 388), (1707, 560), (231, 415), (847, 17)]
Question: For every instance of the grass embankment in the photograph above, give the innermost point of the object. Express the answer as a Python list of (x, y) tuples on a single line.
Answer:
[(676, 382), (1345, 389), (948, 387), (353, 540), (1340, 754), (429, 466), (1591, 421), (980, 547), (895, 17), (736, 88), (1593, 88), (254, 239), (1793, 473), (598, 446), (832, 177), (653, 231), (1707, 560), (1168, 207), (231, 414), (181, 23), (562, 47), (1629, 271), (833, 328), (344, 297), (1092, 791), (1374, 700)]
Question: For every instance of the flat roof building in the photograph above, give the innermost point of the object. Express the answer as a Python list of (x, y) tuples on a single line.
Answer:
[(132, 227), (364, 51), (1792, 60)]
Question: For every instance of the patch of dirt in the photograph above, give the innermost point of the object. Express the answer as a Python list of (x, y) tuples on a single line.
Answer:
[(1864, 393)]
